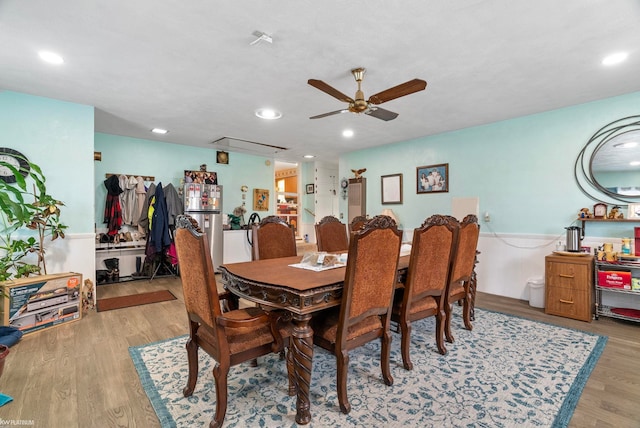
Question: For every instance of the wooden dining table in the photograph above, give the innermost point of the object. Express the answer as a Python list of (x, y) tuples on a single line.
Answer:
[(275, 283)]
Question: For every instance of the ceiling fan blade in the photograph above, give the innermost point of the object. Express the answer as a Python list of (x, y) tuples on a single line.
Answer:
[(319, 84), (401, 90), (380, 113), (329, 114)]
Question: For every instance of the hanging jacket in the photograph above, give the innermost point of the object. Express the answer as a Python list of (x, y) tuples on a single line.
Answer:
[(143, 221), (174, 203), (159, 233), (112, 209)]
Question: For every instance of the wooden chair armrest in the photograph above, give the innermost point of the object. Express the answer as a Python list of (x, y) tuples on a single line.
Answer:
[(247, 323)]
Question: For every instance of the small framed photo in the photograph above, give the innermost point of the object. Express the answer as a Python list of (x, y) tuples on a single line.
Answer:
[(391, 189), (310, 189), (432, 178), (222, 157), (633, 211)]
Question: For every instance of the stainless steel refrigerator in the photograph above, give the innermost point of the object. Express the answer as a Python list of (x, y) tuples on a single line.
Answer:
[(203, 202)]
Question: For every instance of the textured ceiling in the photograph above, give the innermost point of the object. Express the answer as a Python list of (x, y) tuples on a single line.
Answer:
[(189, 66)]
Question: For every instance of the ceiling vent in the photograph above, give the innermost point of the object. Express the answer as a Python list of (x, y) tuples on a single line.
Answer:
[(244, 146)]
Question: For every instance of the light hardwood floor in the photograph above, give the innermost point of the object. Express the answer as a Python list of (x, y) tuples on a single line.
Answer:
[(81, 374)]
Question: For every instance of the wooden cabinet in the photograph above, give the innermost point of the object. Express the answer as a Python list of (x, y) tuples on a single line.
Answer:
[(568, 286)]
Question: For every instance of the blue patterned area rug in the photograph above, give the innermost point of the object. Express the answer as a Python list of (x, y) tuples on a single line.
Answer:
[(507, 372)]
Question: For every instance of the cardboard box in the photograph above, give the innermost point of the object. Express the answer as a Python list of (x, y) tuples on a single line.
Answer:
[(614, 279), (38, 302)]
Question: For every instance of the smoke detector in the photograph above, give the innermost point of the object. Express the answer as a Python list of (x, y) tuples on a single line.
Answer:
[(260, 37)]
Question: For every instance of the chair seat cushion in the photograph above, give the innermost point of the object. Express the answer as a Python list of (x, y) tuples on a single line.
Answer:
[(325, 325), (457, 289), (242, 339), (427, 303)]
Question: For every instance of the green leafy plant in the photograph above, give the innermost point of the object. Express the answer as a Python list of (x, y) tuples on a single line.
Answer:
[(28, 217)]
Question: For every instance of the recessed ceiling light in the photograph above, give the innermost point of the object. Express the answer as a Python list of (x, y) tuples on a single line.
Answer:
[(159, 131), (50, 57), (615, 58), (348, 133), (634, 163), (309, 156), (268, 113)]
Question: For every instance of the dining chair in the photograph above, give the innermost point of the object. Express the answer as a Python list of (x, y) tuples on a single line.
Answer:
[(273, 238), (231, 337), (462, 272), (331, 235), (357, 223), (367, 295), (427, 281)]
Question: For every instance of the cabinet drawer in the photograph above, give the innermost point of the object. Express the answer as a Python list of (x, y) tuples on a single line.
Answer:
[(568, 275), (569, 302)]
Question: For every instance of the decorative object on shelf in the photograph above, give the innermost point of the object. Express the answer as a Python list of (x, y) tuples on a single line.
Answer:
[(626, 246), (432, 178), (97, 156), (310, 189), (13, 163), (391, 189), (344, 185), (357, 173), (615, 213), (600, 210), (260, 199), (585, 213), (222, 157)]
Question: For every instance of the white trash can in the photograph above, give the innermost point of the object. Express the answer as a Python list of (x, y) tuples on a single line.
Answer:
[(536, 292)]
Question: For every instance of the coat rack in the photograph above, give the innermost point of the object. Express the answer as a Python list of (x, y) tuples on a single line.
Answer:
[(144, 177)]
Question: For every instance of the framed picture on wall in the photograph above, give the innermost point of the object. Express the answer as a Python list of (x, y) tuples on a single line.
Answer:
[(310, 188), (432, 178), (260, 199), (391, 189)]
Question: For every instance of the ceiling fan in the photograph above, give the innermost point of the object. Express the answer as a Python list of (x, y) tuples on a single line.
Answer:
[(359, 105)]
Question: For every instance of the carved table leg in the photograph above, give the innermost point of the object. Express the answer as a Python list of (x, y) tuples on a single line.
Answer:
[(302, 359)]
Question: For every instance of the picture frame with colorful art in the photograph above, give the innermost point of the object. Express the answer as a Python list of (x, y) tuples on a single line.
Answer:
[(260, 199)]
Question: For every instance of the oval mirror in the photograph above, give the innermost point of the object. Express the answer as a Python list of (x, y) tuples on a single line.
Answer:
[(610, 162)]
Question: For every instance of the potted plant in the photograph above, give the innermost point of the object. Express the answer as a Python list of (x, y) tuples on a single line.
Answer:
[(28, 217)]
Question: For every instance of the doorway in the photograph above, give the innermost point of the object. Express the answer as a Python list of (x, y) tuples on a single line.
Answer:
[(288, 193)]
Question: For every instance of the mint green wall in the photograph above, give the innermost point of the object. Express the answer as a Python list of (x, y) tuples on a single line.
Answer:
[(521, 169), (58, 136), (167, 162)]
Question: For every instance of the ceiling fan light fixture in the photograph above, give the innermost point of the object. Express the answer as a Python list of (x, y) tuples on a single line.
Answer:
[(268, 113)]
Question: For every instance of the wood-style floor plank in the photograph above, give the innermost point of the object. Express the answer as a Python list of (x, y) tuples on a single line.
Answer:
[(81, 374)]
